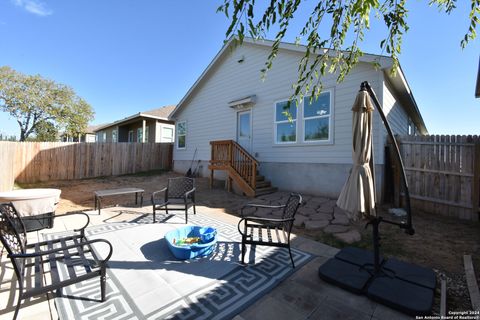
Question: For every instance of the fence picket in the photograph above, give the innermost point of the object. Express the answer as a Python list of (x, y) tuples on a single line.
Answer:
[(442, 172)]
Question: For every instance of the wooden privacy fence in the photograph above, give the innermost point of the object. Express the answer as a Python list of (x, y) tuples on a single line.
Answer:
[(28, 162), (443, 174)]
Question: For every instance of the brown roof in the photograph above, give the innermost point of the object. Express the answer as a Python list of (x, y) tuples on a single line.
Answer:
[(163, 112)]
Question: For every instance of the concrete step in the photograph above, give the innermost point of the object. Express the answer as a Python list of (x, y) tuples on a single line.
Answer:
[(263, 184), (265, 190), (260, 178)]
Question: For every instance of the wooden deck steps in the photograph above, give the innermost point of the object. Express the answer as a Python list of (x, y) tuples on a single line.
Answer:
[(241, 167)]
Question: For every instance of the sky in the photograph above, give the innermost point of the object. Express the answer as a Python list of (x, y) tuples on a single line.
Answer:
[(126, 56)]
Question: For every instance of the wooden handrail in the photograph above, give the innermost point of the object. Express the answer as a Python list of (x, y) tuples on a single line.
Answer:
[(231, 155)]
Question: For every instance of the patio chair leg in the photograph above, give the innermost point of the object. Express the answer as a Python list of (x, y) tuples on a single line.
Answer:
[(153, 213), (194, 209), (244, 248), (291, 258), (17, 308), (103, 284)]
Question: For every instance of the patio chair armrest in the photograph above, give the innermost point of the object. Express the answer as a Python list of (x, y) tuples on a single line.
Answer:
[(154, 194), (259, 219), (189, 192), (73, 246), (82, 229), (255, 205)]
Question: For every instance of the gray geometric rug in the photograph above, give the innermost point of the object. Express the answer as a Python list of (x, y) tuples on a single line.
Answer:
[(145, 281)]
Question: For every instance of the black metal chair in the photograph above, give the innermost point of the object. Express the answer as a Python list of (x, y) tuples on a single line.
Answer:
[(269, 231), (179, 193), (67, 260)]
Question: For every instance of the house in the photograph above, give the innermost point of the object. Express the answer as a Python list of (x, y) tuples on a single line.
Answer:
[(155, 124), (88, 136), (230, 106)]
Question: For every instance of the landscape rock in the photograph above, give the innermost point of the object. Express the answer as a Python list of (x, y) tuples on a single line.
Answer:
[(349, 236), (336, 229), (316, 224)]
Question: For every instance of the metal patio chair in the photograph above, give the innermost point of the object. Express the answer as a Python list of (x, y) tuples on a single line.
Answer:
[(66, 260), (179, 194), (270, 231)]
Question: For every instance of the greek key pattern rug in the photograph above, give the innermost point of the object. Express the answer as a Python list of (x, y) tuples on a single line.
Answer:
[(145, 281)]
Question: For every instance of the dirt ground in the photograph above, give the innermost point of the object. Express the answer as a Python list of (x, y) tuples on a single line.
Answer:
[(439, 242)]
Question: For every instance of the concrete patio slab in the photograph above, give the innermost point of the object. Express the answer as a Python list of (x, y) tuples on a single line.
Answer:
[(303, 295)]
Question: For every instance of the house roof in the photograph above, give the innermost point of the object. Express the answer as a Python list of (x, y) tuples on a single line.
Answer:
[(162, 113), (477, 89), (398, 82)]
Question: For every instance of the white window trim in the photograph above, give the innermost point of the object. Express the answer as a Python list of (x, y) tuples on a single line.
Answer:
[(177, 140), (300, 124), (330, 121), (128, 137), (275, 122)]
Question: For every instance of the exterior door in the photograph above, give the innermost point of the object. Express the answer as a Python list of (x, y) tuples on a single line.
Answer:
[(244, 129)]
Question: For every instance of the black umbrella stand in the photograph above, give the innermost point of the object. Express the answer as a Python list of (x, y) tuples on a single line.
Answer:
[(403, 286)]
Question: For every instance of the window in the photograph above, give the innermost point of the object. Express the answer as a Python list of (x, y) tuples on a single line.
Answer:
[(130, 136), (316, 118), (181, 134), (167, 134), (285, 122), (139, 135), (114, 135), (146, 133), (104, 136), (310, 121)]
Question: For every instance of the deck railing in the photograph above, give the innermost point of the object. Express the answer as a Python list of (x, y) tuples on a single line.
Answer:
[(228, 154)]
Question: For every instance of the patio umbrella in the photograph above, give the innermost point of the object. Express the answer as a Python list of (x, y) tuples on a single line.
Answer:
[(358, 194)]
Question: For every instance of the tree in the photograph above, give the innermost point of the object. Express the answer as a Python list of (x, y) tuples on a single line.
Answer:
[(45, 131), (343, 19), (35, 101)]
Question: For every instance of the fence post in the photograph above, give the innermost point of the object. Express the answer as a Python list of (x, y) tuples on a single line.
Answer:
[(476, 180)]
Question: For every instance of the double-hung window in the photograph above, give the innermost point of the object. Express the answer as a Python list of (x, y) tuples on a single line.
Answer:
[(316, 118), (181, 134), (139, 135), (114, 135), (285, 122)]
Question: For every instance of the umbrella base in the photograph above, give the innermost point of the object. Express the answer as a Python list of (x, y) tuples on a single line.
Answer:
[(399, 285)]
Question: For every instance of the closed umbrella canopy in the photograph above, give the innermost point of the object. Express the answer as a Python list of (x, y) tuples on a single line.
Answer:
[(358, 194)]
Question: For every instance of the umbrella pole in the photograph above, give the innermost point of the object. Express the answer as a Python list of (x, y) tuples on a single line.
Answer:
[(376, 244), (365, 86)]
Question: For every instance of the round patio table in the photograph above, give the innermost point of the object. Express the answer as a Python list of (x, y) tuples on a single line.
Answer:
[(36, 206)]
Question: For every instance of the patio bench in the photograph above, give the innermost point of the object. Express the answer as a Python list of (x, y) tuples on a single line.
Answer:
[(99, 194), (52, 264)]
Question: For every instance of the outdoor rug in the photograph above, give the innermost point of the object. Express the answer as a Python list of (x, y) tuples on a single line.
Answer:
[(145, 281)]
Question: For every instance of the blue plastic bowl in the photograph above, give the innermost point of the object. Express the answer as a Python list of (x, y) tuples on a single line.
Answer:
[(202, 249)]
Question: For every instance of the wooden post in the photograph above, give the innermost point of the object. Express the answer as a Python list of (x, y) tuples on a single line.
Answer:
[(143, 130), (471, 282), (476, 181)]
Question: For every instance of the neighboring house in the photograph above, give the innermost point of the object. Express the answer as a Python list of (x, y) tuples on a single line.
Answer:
[(312, 154), (88, 136), (155, 124)]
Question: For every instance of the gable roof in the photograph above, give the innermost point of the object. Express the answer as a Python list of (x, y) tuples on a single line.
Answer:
[(386, 63), (162, 113)]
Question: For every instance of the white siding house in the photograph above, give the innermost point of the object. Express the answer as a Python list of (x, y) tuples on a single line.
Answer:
[(312, 153)]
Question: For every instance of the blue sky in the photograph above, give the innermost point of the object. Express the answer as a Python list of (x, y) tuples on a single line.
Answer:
[(129, 56)]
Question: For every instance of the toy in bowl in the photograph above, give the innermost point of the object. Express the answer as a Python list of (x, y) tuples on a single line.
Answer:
[(191, 241)]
